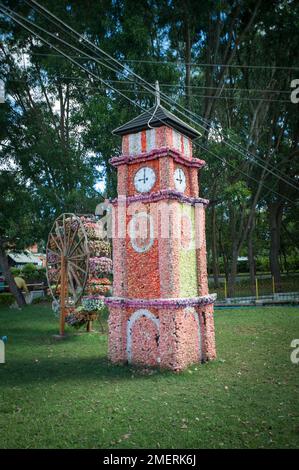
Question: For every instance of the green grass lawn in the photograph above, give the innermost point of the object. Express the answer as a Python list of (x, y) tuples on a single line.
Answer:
[(58, 394)]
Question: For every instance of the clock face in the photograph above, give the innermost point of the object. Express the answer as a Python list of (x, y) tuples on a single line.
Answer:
[(179, 180), (144, 179)]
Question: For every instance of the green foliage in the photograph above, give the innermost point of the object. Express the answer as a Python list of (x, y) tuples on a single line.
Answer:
[(262, 264), (237, 192), (59, 136), (293, 261), (6, 299), (30, 272), (16, 271), (28, 269), (18, 218)]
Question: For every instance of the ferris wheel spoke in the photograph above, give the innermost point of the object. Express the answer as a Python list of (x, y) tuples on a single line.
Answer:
[(78, 267), (72, 287), (74, 235), (54, 252), (69, 226), (57, 282), (78, 257), (59, 235), (75, 276), (55, 264), (64, 229), (55, 241), (77, 252), (67, 223), (76, 246)]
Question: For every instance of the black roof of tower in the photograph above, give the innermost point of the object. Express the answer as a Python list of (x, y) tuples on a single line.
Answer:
[(155, 117)]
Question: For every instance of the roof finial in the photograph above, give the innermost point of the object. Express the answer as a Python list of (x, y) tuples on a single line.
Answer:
[(157, 93)]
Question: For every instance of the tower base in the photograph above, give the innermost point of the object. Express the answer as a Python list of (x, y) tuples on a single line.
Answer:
[(166, 333)]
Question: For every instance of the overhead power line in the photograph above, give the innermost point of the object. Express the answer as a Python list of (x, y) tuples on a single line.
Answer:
[(194, 95), (44, 54), (172, 85), (93, 58), (136, 104), (200, 64), (235, 146), (62, 25), (221, 97), (108, 66), (98, 78), (197, 64)]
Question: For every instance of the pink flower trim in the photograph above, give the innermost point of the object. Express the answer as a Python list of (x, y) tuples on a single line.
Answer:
[(157, 153), (164, 194), (161, 303)]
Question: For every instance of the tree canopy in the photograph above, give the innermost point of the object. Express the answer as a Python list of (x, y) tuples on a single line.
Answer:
[(230, 63)]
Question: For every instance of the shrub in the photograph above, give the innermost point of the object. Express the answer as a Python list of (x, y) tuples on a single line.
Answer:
[(29, 270), (32, 273), (41, 273), (6, 299), (262, 264), (15, 271), (293, 261)]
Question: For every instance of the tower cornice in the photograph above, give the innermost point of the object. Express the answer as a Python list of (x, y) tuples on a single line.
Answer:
[(168, 194), (161, 303), (155, 154)]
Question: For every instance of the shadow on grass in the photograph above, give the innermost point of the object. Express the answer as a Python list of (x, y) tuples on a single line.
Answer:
[(37, 337), (55, 370)]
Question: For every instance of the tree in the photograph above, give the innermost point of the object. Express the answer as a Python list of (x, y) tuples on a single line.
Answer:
[(18, 223), (220, 59)]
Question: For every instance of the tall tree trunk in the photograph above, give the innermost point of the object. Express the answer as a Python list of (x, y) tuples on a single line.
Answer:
[(233, 258), (10, 279), (215, 263), (285, 259), (275, 217), (251, 258), (233, 272), (240, 237)]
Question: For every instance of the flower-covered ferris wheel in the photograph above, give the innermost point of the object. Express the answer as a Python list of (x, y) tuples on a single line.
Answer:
[(77, 259)]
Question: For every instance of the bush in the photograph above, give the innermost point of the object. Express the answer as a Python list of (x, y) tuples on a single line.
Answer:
[(15, 271), (262, 264), (293, 261), (29, 271), (6, 299), (32, 273)]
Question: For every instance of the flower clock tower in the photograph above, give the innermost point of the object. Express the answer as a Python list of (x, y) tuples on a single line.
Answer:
[(161, 313)]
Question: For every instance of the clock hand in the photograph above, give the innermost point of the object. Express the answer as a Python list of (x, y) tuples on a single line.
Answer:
[(180, 180), (144, 179)]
